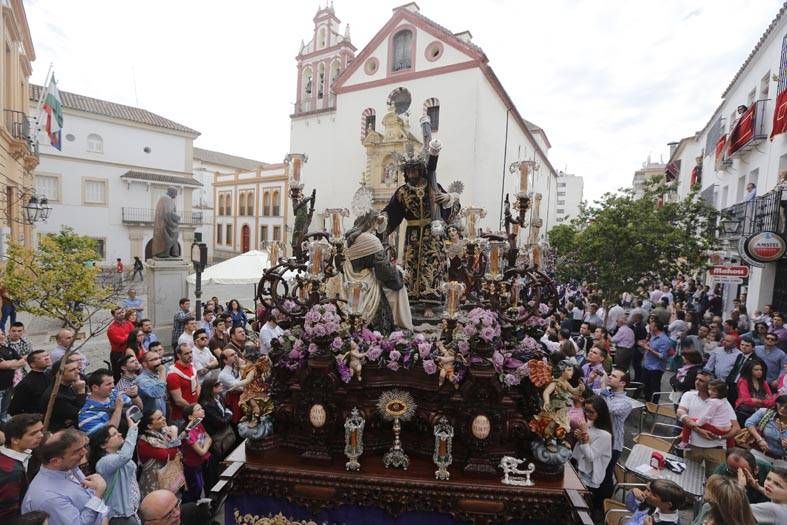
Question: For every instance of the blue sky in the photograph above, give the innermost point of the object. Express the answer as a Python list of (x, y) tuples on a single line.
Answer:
[(610, 81)]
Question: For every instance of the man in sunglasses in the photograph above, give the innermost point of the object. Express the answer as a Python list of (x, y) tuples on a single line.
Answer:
[(203, 359), (773, 357)]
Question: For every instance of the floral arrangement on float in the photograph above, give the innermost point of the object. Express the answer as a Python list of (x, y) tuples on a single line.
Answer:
[(476, 340)]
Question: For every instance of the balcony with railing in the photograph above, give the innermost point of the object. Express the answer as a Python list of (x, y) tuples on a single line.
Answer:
[(20, 127), (146, 215), (760, 214), (746, 135)]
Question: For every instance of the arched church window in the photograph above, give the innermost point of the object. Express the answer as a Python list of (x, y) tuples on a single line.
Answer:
[(307, 82), (368, 121), (335, 70), (321, 81), (322, 39), (402, 42), (432, 110)]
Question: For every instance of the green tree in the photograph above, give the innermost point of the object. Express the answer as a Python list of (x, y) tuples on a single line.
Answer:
[(624, 242), (56, 280)]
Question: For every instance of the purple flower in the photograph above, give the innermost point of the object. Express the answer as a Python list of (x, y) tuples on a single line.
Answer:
[(511, 379), (487, 333), (463, 346), (374, 353), (429, 366), (337, 343), (512, 362), (344, 372), (393, 365), (312, 348), (425, 349), (406, 358), (469, 330), (419, 338), (394, 355), (498, 359), (396, 336), (295, 355)]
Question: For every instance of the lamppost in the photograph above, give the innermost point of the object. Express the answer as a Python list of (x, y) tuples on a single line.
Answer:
[(36, 209), (199, 257)]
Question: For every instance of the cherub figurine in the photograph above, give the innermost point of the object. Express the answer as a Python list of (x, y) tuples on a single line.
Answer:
[(557, 400), (355, 359), (255, 402), (445, 360)]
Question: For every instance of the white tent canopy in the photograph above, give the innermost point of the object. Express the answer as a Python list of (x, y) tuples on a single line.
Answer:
[(235, 278)]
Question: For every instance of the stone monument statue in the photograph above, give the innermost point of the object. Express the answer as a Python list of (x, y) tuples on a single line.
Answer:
[(165, 227)]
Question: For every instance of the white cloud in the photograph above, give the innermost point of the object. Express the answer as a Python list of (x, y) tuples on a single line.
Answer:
[(610, 81)]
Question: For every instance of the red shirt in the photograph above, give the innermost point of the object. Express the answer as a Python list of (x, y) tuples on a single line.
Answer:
[(188, 386), (118, 335)]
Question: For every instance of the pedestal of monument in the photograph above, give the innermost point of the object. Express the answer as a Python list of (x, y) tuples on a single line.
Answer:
[(166, 281)]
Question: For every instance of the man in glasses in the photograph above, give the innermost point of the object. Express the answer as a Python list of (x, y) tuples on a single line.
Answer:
[(203, 359), (774, 358), (60, 489)]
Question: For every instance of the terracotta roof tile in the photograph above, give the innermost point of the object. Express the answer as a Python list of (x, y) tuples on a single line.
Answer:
[(113, 110)]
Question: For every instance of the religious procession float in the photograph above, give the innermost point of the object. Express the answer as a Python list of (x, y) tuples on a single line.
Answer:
[(409, 383)]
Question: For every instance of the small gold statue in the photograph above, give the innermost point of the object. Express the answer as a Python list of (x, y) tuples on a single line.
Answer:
[(553, 422), (255, 401)]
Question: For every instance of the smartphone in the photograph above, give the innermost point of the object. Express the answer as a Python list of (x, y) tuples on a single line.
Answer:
[(134, 413)]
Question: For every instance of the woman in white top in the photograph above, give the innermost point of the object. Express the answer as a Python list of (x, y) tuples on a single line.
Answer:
[(593, 450)]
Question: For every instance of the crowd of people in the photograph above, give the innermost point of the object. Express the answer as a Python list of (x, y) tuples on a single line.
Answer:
[(727, 385), (136, 439)]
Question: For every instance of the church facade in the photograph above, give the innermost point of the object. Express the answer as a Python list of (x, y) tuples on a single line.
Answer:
[(411, 67)]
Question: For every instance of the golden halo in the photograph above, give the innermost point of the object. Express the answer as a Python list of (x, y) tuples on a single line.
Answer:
[(396, 404)]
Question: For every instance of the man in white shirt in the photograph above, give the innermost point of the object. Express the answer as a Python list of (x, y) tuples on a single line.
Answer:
[(229, 376), (270, 331), (187, 337), (202, 358), (613, 315), (704, 446)]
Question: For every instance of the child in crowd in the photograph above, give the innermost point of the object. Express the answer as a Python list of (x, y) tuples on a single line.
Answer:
[(196, 451), (660, 501), (714, 419)]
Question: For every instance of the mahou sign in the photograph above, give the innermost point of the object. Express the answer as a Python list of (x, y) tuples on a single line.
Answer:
[(765, 247), (729, 271)]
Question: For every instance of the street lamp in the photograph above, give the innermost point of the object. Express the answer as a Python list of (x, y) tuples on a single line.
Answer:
[(730, 225), (32, 210), (44, 208)]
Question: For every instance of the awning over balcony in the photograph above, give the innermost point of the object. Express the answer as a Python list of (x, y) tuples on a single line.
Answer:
[(672, 172), (159, 177)]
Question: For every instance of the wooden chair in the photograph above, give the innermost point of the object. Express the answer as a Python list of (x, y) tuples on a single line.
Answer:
[(615, 512), (660, 443), (660, 409)]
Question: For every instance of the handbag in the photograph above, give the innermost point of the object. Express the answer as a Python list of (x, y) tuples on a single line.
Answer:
[(223, 441), (171, 476), (745, 439)]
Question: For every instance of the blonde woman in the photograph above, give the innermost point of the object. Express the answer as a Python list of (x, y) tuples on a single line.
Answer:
[(729, 498)]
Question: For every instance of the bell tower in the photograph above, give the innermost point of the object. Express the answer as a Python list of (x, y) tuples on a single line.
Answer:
[(321, 61)]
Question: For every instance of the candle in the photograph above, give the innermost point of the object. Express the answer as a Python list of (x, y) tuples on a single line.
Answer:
[(303, 293), (442, 448), (354, 439), (454, 290), (515, 229), (537, 256), (471, 228), (515, 289), (274, 252), (316, 266), (336, 225), (522, 177), (494, 259), (296, 169)]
